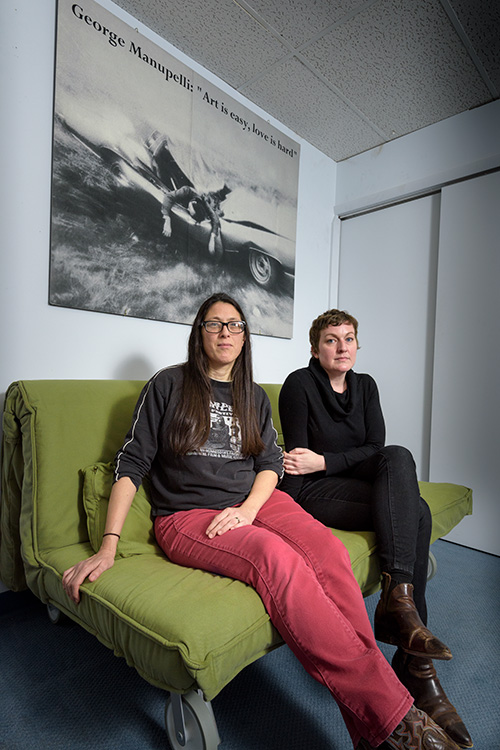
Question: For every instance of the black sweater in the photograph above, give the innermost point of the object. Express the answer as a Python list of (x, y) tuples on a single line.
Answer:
[(344, 428), (216, 475)]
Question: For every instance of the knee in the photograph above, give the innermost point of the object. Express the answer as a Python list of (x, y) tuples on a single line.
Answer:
[(399, 456), (321, 545)]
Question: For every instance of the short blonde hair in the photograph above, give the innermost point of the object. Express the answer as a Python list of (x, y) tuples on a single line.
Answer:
[(330, 318)]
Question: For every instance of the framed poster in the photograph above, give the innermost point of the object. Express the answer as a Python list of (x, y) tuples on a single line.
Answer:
[(164, 188)]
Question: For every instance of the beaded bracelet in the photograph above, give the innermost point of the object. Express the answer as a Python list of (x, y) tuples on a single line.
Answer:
[(111, 533)]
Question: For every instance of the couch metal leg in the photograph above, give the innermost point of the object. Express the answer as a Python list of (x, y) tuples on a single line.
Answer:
[(190, 722), (56, 616), (431, 566)]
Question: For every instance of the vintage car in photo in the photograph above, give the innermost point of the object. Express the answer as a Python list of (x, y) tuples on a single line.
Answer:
[(268, 255), (150, 169)]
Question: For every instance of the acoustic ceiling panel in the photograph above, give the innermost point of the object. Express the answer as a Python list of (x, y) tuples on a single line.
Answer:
[(220, 35), (302, 101), (401, 63), (343, 74)]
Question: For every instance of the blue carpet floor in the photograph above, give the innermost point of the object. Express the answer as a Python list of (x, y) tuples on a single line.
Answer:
[(60, 689)]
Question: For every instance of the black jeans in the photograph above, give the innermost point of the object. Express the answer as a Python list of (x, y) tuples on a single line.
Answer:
[(380, 494)]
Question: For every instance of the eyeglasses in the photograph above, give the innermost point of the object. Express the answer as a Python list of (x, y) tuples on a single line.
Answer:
[(216, 326)]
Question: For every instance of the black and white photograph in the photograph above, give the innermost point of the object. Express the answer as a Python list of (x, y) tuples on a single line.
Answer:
[(164, 188)]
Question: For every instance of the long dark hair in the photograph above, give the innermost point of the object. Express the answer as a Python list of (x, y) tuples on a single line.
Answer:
[(191, 424)]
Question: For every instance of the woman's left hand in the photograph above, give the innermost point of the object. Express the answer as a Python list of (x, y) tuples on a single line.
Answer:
[(303, 461), (227, 520)]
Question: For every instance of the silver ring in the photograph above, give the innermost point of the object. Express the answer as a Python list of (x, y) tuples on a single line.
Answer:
[(237, 519)]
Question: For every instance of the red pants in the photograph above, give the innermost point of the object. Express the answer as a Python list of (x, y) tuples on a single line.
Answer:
[(303, 574)]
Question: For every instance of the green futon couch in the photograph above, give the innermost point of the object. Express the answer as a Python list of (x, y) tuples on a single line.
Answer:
[(186, 631)]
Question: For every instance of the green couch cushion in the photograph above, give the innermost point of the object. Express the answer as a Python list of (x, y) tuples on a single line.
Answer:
[(137, 536), (273, 392), (449, 503), (181, 628)]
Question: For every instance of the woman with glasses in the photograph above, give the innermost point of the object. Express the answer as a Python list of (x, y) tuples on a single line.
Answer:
[(339, 470), (203, 432)]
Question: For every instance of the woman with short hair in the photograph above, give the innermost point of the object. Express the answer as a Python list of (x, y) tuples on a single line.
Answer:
[(339, 469)]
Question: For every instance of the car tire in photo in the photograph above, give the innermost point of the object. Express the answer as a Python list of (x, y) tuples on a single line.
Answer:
[(265, 270)]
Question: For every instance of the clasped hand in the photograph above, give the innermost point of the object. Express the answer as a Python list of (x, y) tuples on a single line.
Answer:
[(303, 461)]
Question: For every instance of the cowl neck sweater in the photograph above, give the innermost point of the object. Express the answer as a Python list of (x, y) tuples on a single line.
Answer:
[(345, 428), (337, 405)]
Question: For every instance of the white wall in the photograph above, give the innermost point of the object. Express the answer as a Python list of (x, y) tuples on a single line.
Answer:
[(465, 409), (452, 149), (395, 248), (40, 341)]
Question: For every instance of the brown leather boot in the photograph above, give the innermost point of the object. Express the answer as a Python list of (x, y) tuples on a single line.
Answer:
[(415, 732), (418, 675), (397, 622)]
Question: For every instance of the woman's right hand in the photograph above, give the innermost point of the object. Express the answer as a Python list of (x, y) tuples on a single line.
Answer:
[(303, 461), (120, 500), (90, 568)]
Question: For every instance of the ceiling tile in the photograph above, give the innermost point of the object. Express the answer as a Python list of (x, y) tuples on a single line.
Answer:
[(401, 63), (378, 69), (481, 22), (299, 20), (220, 35), (293, 95)]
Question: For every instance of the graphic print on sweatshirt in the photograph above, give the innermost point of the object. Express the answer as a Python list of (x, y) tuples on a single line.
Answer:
[(224, 440)]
